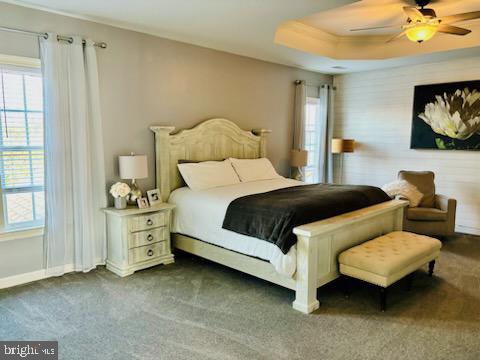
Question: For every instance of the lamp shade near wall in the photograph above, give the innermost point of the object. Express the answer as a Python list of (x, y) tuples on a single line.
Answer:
[(133, 166), (298, 158), (340, 146)]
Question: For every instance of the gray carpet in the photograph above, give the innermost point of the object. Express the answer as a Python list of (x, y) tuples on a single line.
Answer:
[(195, 309)]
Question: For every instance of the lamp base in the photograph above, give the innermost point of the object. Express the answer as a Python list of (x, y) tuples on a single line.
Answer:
[(135, 193), (298, 174)]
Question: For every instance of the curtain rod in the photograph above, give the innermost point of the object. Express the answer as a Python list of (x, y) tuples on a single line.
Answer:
[(101, 45), (298, 82)]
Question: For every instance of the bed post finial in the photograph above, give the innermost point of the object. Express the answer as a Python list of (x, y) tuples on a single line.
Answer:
[(263, 140), (162, 159)]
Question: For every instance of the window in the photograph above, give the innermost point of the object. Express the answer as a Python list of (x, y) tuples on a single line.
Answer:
[(312, 139), (21, 145)]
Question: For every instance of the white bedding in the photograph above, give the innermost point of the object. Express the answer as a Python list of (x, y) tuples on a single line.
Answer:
[(200, 214)]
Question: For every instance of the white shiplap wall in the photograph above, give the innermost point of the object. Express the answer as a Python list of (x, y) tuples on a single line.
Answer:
[(375, 108)]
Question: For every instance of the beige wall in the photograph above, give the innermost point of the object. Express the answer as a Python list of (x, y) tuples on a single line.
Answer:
[(375, 108), (147, 80)]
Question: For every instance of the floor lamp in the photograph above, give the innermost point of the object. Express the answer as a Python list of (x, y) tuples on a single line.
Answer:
[(341, 146)]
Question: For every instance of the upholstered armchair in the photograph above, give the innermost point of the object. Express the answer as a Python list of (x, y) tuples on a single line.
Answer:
[(435, 214)]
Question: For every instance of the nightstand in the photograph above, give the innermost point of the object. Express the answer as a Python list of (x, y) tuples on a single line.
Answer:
[(138, 238)]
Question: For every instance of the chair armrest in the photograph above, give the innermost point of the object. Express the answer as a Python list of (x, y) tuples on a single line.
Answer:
[(450, 206), (444, 203)]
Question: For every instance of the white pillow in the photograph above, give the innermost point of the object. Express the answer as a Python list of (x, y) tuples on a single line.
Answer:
[(254, 169), (404, 189), (208, 174)]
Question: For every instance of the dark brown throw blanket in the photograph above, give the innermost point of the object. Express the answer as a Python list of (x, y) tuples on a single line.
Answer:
[(271, 216)]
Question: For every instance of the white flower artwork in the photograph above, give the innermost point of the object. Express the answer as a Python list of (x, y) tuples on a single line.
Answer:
[(451, 113)]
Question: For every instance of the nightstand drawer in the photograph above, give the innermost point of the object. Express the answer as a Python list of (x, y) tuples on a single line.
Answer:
[(146, 237), (148, 252), (145, 222)]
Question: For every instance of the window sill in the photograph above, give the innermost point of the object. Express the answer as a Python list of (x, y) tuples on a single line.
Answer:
[(17, 234)]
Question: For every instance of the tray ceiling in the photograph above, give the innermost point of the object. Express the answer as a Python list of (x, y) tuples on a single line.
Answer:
[(328, 33)]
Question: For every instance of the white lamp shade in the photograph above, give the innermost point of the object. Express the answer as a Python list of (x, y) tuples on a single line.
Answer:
[(133, 166)]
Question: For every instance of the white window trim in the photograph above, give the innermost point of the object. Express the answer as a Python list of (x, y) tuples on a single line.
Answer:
[(17, 234), (312, 100), (20, 233), (20, 61)]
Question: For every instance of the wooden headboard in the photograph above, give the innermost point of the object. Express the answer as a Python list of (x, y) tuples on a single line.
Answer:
[(215, 139)]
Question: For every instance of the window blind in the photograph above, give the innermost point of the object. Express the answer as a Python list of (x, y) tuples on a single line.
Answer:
[(21, 146)]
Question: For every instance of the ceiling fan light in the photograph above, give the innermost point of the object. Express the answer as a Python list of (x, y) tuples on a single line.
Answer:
[(421, 33)]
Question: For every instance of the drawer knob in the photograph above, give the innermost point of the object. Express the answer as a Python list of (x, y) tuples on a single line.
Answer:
[(150, 237), (149, 222), (150, 252)]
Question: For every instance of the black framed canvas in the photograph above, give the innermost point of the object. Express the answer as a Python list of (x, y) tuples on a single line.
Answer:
[(446, 116)]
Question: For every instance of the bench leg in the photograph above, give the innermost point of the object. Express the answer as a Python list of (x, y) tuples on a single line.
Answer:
[(383, 299), (431, 266), (346, 285), (410, 278)]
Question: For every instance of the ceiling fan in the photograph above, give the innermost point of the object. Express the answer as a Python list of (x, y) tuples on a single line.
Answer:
[(423, 23)]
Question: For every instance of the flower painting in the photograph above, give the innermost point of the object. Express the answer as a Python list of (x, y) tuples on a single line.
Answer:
[(447, 116)]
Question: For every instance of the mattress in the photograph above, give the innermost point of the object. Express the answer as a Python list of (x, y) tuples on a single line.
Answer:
[(200, 214)]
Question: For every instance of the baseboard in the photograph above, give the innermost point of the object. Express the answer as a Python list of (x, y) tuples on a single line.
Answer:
[(29, 277), (22, 278), (467, 230)]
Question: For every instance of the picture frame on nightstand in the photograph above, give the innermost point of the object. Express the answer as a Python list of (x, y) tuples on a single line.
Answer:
[(154, 197), (142, 203)]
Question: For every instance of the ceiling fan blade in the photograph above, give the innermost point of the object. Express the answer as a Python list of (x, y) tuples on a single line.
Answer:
[(397, 36), (460, 17), (376, 27), (413, 13), (449, 29)]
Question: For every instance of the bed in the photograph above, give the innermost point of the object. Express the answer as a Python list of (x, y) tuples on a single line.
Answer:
[(313, 259)]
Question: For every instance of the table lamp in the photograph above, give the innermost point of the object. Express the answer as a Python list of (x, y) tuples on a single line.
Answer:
[(298, 159), (133, 167), (340, 146)]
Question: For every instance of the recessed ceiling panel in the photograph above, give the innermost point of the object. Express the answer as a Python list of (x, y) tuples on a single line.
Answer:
[(329, 33)]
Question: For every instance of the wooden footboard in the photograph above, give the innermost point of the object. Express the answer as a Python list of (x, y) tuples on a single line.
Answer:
[(318, 247), (320, 243)]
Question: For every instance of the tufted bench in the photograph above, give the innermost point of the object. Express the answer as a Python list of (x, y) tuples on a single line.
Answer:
[(388, 258)]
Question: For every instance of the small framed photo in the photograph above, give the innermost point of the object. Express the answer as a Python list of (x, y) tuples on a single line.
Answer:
[(142, 203), (154, 197)]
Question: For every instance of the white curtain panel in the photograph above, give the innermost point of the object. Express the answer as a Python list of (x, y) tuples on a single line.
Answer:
[(74, 161), (326, 121), (299, 118), (300, 113)]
